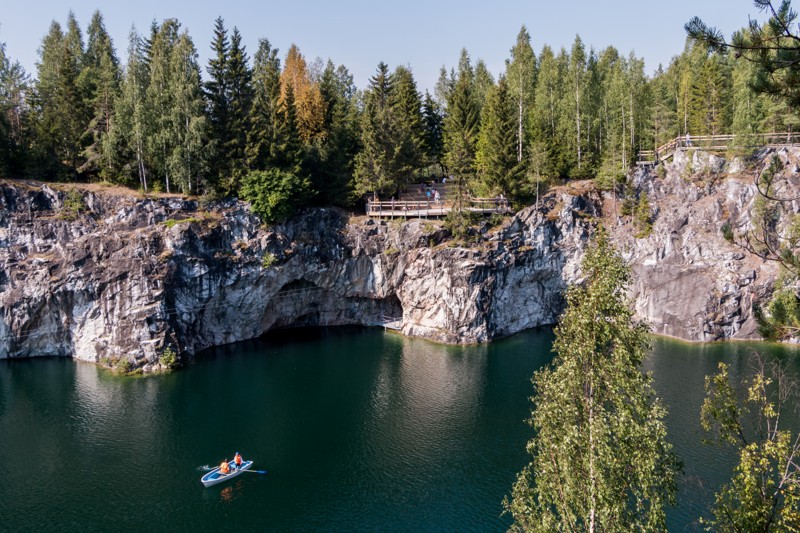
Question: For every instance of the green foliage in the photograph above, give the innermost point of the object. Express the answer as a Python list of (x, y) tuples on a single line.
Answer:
[(781, 320), (727, 232), (73, 205), (460, 224), (229, 96), (392, 133), (641, 216), (172, 222), (496, 159), (274, 194), (268, 260), (772, 46), (100, 80), (764, 492), (264, 113), (123, 366), (601, 461), (168, 358)]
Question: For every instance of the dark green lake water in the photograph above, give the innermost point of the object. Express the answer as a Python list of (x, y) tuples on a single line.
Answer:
[(359, 431)]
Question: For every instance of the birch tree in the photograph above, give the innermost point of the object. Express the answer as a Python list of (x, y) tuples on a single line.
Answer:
[(601, 461)]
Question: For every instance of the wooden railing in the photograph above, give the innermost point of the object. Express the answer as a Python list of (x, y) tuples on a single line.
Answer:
[(431, 208), (718, 142)]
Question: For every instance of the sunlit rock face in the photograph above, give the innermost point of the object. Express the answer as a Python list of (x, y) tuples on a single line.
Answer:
[(123, 277)]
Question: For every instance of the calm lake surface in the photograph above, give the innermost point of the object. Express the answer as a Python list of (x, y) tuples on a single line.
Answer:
[(359, 430)]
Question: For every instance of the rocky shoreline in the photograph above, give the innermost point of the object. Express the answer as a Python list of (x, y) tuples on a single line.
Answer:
[(113, 277)]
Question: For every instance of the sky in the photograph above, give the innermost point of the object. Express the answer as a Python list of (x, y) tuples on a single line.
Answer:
[(422, 34)]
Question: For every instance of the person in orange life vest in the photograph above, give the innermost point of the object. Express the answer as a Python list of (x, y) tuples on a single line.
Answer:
[(237, 459), (224, 468)]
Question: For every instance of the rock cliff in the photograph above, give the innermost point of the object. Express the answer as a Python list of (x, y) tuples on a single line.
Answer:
[(106, 276)]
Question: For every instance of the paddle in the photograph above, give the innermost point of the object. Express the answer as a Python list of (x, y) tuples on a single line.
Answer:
[(255, 471)]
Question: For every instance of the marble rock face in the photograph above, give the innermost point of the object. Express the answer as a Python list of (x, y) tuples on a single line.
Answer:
[(123, 277)]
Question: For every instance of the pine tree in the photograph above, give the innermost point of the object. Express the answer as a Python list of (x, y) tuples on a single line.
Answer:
[(601, 461)]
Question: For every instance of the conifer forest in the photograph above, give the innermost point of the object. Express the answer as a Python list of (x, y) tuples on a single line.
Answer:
[(145, 114)]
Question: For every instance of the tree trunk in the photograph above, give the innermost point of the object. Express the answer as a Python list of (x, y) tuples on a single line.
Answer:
[(578, 121), (519, 133), (592, 476)]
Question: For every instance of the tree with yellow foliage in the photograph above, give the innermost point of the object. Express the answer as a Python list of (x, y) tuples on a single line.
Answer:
[(309, 103)]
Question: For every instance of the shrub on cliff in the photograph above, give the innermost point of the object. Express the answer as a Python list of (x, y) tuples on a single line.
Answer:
[(274, 194)]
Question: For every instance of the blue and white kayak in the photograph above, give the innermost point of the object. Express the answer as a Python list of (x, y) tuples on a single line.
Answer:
[(215, 476)]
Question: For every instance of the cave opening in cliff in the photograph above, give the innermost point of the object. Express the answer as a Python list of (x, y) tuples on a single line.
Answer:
[(391, 310)]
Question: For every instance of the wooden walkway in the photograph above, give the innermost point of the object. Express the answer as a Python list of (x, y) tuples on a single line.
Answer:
[(717, 143), (417, 204), (431, 209)]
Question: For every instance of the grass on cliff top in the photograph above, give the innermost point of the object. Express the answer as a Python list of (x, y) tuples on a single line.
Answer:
[(205, 217)]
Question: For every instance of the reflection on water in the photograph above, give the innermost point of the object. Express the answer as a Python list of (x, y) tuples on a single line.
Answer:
[(358, 430)]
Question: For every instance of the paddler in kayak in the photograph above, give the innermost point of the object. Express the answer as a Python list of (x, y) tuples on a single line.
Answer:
[(237, 459), (224, 468)]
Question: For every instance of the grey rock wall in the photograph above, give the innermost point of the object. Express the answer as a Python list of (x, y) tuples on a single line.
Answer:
[(130, 276)]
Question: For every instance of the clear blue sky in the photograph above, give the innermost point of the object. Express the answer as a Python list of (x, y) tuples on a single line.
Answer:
[(423, 34)]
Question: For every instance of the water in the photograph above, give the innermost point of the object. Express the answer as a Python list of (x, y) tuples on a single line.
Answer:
[(358, 430)]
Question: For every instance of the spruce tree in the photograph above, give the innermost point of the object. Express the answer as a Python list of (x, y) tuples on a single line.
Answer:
[(263, 116), (573, 127), (499, 171), (482, 83), (287, 150), (461, 127), (406, 115), (375, 163), (101, 82), (433, 124), (601, 461), (216, 94), (331, 160), (240, 99), (59, 104)]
